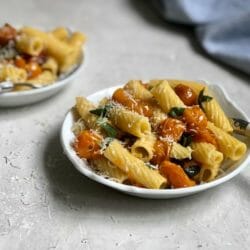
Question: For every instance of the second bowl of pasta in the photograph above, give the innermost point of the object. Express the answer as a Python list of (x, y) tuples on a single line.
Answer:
[(37, 63)]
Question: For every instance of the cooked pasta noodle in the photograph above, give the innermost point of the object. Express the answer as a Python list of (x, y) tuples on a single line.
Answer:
[(166, 96), (30, 45), (12, 73), (206, 154), (143, 148), (108, 169), (83, 107), (215, 113), (135, 88), (179, 152), (134, 167), (228, 145), (129, 121)]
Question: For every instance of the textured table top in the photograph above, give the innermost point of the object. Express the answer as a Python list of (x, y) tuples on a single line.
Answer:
[(46, 204)]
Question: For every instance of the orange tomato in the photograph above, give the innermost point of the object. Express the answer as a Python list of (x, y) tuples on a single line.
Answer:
[(161, 152), (20, 62), (124, 98), (195, 118), (87, 144), (186, 94), (7, 33), (175, 175), (171, 128), (205, 135), (33, 69)]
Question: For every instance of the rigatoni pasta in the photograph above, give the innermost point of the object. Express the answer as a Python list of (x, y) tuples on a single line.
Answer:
[(155, 135)]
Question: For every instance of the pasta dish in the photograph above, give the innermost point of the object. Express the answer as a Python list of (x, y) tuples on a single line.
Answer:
[(156, 135), (29, 55)]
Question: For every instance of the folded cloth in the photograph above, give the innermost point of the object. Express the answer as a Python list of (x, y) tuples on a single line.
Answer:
[(222, 26)]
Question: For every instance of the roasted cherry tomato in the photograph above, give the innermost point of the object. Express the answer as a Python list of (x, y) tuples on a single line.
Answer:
[(20, 62), (33, 69), (205, 135), (186, 94), (7, 33), (175, 175), (195, 119), (87, 144), (171, 129), (161, 152), (127, 100)]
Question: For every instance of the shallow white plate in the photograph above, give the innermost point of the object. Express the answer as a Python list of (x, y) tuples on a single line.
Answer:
[(19, 98), (231, 168)]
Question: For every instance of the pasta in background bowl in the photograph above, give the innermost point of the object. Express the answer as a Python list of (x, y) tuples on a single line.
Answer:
[(228, 169), (50, 59)]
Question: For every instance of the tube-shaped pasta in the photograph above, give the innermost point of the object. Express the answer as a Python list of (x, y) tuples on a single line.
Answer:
[(30, 45), (46, 77), (51, 65), (65, 54), (61, 33), (228, 145), (77, 39), (195, 86), (215, 113), (129, 121), (166, 96), (12, 73), (208, 173), (136, 89), (106, 168), (134, 167), (179, 152), (206, 154), (143, 148), (83, 107)]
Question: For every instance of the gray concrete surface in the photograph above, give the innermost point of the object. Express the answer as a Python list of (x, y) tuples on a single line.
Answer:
[(46, 204)]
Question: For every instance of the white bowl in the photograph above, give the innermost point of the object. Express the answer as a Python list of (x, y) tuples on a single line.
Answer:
[(231, 168), (19, 98)]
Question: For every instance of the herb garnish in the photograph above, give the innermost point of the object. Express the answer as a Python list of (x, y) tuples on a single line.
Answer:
[(102, 112), (186, 139), (102, 121), (175, 112), (203, 98)]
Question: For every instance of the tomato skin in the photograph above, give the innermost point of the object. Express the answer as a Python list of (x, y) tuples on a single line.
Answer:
[(87, 144), (33, 70), (124, 98), (7, 33), (175, 175), (186, 94), (171, 129), (20, 62), (161, 152), (205, 135), (195, 119)]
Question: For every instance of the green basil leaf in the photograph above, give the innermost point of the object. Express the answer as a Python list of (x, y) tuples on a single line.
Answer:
[(99, 111), (109, 130), (192, 170), (203, 98), (176, 112), (186, 139)]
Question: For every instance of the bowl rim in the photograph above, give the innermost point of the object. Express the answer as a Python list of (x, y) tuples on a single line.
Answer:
[(144, 191)]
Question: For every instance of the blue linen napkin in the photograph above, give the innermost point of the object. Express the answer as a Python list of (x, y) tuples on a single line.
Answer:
[(222, 26)]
